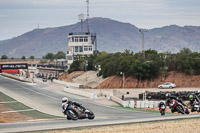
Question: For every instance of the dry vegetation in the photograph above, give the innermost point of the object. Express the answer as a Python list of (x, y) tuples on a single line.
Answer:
[(179, 126), (11, 117)]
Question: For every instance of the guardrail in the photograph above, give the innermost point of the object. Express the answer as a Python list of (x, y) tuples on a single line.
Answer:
[(76, 91)]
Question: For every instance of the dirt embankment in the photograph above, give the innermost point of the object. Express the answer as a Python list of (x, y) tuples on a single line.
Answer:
[(180, 79)]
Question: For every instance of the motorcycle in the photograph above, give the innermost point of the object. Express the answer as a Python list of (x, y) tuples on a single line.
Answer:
[(178, 106), (196, 105), (72, 114), (162, 108)]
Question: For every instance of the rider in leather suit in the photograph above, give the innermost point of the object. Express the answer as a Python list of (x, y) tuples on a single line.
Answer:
[(69, 105)]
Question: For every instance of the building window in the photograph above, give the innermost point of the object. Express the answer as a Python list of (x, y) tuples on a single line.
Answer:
[(85, 39), (81, 39), (81, 49), (76, 48), (88, 48), (76, 39)]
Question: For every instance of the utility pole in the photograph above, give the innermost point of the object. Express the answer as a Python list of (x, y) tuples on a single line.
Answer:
[(143, 52), (86, 64), (81, 17)]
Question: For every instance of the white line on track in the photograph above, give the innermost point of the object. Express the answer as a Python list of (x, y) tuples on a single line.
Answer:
[(17, 111), (9, 102), (40, 93)]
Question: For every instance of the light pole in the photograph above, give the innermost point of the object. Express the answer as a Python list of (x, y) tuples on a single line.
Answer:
[(122, 73), (143, 53), (99, 69), (86, 64)]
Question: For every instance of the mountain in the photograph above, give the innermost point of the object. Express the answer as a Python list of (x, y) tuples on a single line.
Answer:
[(112, 36)]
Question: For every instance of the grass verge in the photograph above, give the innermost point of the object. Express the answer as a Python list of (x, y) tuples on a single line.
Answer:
[(19, 106)]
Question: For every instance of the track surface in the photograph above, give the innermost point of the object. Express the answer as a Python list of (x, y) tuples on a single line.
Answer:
[(39, 98)]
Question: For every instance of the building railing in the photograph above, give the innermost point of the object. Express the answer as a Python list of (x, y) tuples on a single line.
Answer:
[(82, 33)]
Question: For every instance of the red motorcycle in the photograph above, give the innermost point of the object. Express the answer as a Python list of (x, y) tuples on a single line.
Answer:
[(177, 106)]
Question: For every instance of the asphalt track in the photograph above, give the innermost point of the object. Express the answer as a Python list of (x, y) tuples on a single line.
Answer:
[(43, 100)]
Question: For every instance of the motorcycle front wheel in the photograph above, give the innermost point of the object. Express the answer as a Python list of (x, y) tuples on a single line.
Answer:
[(180, 109), (72, 115), (90, 114)]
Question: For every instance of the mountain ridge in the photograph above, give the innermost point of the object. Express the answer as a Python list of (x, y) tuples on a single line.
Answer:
[(112, 36)]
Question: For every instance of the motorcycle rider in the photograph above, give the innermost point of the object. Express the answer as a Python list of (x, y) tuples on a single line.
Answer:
[(170, 100), (69, 105), (162, 106)]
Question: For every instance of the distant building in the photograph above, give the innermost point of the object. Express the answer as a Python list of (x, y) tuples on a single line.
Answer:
[(82, 44)]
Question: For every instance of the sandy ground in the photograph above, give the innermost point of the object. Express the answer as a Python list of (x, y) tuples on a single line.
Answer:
[(11, 117), (178, 126)]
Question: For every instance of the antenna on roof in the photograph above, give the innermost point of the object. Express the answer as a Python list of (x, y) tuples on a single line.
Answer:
[(81, 17), (88, 23)]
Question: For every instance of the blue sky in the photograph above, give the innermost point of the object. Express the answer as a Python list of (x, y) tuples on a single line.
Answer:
[(20, 16)]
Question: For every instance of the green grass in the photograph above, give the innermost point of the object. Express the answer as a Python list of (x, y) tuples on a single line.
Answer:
[(19, 106), (5, 98), (133, 109), (39, 115)]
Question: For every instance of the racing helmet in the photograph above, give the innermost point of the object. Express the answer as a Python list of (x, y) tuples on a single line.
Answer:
[(64, 99), (191, 97)]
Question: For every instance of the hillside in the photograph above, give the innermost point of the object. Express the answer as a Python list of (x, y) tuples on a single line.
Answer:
[(180, 79), (112, 36)]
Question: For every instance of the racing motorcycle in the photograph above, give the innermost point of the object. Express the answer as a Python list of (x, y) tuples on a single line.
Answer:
[(72, 114), (196, 105), (162, 108), (177, 106)]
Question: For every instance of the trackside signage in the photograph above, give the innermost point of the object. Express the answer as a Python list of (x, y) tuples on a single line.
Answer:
[(14, 66)]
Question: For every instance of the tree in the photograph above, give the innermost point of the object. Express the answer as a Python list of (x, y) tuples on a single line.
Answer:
[(32, 57), (4, 57), (77, 65), (49, 56), (23, 57), (60, 55)]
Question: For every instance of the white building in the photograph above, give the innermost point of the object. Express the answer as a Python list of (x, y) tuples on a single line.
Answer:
[(83, 44)]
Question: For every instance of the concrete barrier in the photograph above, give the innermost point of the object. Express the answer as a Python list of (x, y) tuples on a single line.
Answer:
[(80, 92), (117, 100), (131, 104), (67, 83), (156, 104), (146, 104), (23, 79), (151, 104), (138, 104)]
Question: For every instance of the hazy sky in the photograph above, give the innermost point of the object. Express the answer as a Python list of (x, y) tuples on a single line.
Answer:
[(20, 16)]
